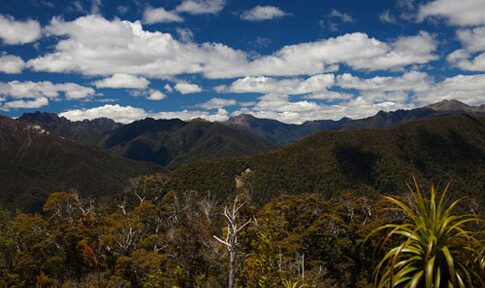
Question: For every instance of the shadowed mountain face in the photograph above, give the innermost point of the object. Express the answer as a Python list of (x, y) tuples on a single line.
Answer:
[(90, 132), (283, 133), (363, 161), (35, 162), (168, 143), (174, 142)]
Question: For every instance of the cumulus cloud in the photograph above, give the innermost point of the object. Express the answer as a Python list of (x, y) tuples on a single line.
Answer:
[(122, 81), (218, 103), (463, 59), (413, 80), (127, 114), (121, 114), (155, 95), (160, 15), (197, 7), (469, 58), (93, 45), (11, 64), (187, 88), (47, 89), (466, 88), (461, 13), (25, 104), (18, 32), (473, 40), (356, 50), (262, 13), (292, 86)]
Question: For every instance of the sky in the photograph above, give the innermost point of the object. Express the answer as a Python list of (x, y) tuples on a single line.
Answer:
[(289, 60)]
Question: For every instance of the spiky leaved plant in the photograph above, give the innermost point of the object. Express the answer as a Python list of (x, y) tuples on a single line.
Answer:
[(436, 249), (292, 284)]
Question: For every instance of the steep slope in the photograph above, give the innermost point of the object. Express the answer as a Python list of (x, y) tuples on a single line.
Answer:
[(174, 142), (35, 162), (455, 105), (362, 161), (90, 132)]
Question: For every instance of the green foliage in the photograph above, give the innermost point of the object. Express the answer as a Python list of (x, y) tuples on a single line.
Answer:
[(362, 162), (436, 249)]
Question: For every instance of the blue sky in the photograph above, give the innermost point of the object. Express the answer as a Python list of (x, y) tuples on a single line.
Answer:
[(289, 60)]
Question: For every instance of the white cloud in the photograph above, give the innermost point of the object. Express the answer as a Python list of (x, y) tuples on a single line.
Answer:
[(461, 13), (25, 104), (155, 95), (473, 41), (168, 88), (11, 64), (262, 13), (160, 15), (462, 59), (335, 18), (197, 7), (185, 34), (47, 89), (127, 114), (413, 80), (18, 32), (466, 88), (95, 46), (218, 103), (280, 107), (356, 50), (292, 86), (187, 88), (121, 114), (387, 17), (123, 81), (342, 16)]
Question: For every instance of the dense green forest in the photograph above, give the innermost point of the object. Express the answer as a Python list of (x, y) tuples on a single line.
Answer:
[(152, 237), (363, 162), (306, 215)]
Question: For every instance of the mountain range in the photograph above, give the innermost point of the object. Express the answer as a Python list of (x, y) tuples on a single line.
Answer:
[(282, 133), (42, 153), (35, 162), (364, 162)]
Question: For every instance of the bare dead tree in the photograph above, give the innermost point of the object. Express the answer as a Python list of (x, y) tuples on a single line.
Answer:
[(231, 240)]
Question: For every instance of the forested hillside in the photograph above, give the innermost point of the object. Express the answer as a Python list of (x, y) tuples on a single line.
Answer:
[(362, 162), (35, 163)]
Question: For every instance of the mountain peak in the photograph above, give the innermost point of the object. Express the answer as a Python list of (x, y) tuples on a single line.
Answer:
[(41, 117), (451, 105)]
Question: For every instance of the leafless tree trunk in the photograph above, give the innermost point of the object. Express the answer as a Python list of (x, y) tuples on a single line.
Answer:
[(231, 241)]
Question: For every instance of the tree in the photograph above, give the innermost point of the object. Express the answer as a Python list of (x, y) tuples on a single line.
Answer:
[(234, 226), (435, 248)]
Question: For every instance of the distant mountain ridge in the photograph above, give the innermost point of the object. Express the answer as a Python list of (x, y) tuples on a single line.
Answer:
[(173, 142), (168, 143), (283, 133), (89, 132), (455, 105), (35, 162)]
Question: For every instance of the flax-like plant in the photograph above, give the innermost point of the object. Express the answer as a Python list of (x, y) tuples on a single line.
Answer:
[(436, 249)]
